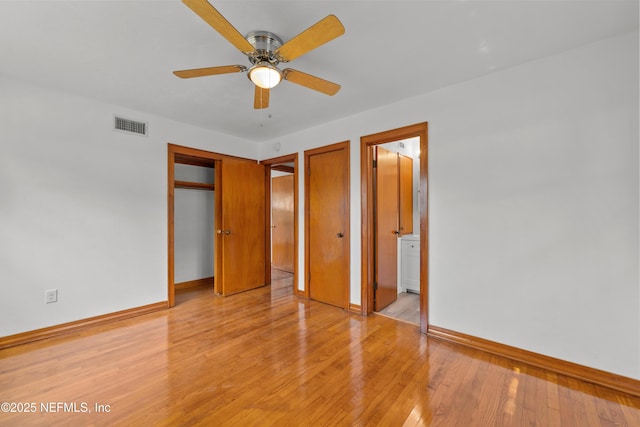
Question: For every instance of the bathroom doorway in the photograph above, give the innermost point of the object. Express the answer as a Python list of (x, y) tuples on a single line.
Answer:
[(409, 266)]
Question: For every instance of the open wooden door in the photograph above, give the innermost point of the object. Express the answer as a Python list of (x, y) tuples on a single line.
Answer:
[(282, 218), (386, 228), (240, 226)]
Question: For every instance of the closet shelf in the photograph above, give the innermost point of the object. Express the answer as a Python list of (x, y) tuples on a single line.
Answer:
[(194, 185)]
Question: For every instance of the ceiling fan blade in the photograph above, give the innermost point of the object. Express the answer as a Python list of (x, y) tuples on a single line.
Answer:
[(316, 35), (209, 71), (219, 23), (261, 98), (311, 82)]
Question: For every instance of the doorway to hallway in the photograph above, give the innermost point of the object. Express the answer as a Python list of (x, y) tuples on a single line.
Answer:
[(282, 217)]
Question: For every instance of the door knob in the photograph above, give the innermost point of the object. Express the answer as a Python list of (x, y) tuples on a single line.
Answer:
[(396, 232), (227, 232), (340, 235)]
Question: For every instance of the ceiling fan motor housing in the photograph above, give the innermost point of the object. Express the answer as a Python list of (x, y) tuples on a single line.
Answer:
[(265, 43)]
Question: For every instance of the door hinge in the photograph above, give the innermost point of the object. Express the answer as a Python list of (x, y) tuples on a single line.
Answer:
[(375, 286), (309, 278), (375, 164), (308, 171)]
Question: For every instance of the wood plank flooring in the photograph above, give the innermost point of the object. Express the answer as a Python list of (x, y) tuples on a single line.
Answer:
[(266, 357)]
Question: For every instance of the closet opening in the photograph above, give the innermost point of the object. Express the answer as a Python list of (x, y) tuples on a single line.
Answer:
[(191, 220), (194, 224)]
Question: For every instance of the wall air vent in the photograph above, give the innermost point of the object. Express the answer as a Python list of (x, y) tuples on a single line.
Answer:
[(130, 126)]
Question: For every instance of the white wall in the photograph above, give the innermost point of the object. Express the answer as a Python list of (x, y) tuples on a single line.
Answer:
[(193, 234), (83, 209), (193, 225), (533, 203)]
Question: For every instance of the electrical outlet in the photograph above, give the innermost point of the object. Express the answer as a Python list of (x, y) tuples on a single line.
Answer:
[(51, 296)]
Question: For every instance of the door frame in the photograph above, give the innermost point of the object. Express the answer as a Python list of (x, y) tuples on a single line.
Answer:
[(195, 157), (344, 145), (366, 193), (272, 165)]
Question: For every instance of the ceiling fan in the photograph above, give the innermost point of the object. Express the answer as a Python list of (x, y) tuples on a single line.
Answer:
[(265, 51)]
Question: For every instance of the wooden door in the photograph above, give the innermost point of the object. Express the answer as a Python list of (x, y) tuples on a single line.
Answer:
[(241, 238), (282, 223), (327, 218), (406, 194), (386, 202)]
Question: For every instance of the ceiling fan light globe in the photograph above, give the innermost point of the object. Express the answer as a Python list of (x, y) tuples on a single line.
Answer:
[(265, 76)]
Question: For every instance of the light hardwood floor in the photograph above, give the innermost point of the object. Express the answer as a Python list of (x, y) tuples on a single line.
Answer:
[(266, 357)]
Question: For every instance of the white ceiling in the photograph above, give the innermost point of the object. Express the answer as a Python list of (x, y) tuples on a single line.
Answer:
[(124, 52)]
